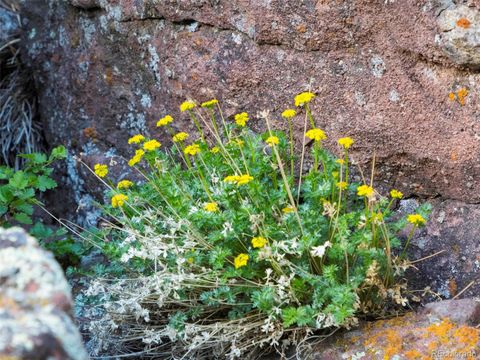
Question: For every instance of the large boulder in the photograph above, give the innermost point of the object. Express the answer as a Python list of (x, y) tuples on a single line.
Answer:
[(443, 330), (398, 76), (35, 303)]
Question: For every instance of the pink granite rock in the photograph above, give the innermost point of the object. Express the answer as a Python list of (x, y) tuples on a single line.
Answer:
[(35, 303)]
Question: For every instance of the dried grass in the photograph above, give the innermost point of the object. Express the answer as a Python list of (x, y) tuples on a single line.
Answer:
[(19, 130)]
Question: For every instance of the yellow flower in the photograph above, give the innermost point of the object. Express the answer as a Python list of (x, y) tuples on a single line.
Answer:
[(316, 134), (124, 184), (304, 98), (238, 142), (214, 150), (396, 194), (231, 179), (181, 136), (211, 207), (241, 260), (272, 140), (164, 121), (137, 157), (288, 209), (187, 105), (289, 113), (118, 200), (136, 139), (210, 103), (101, 170), (259, 242), (340, 161), (365, 190), (238, 179), (192, 150), (244, 179), (241, 119), (416, 219), (346, 142), (151, 145), (342, 185)]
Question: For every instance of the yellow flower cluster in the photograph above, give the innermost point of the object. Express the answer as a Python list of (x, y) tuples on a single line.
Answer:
[(346, 142), (187, 105), (365, 190), (289, 113), (288, 209), (136, 158), (118, 200), (241, 119), (164, 121), (124, 184), (342, 185), (181, 136), (192, 150), (136, 139), (240, 260), (101, 170), (304, 98), (151, 145), (211, 207), (416, 219), (259, 242), (272, 140), (238, 179), (210, 104), (214, 150), (396, 194), (316, 134)]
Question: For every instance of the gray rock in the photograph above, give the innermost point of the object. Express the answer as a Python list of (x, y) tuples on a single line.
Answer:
[(35, 303), (462, 312), (461, 42)]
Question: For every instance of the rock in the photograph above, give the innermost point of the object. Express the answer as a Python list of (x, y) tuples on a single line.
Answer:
[(451, 235), (459, 27), (382, 70), (86, 4), (412, 336), (462, 312), (35, 303)]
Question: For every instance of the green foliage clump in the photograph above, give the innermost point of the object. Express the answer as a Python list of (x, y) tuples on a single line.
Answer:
[(230, 238)]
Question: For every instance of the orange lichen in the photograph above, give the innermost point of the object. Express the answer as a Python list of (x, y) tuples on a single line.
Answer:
[(441, 330), (393, 344), (463, 23), (467, 336), (461, 95), (302, 29), (413, 354), (90, 132), (452, 284), (452, 96)]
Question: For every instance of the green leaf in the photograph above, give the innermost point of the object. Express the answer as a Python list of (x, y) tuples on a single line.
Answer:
[(19, 180), (36, 158), (44, 183), (58, 153), (23, 218), (25, 208), (6, 172), (289, 316), (3, 210)]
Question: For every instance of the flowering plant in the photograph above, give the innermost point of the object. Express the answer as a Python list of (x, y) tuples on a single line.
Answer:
[(230, 243)]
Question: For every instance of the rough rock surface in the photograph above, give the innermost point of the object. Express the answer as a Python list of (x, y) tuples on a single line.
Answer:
[(384, 72), (452, 234), (35, 303), (442, 332)]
